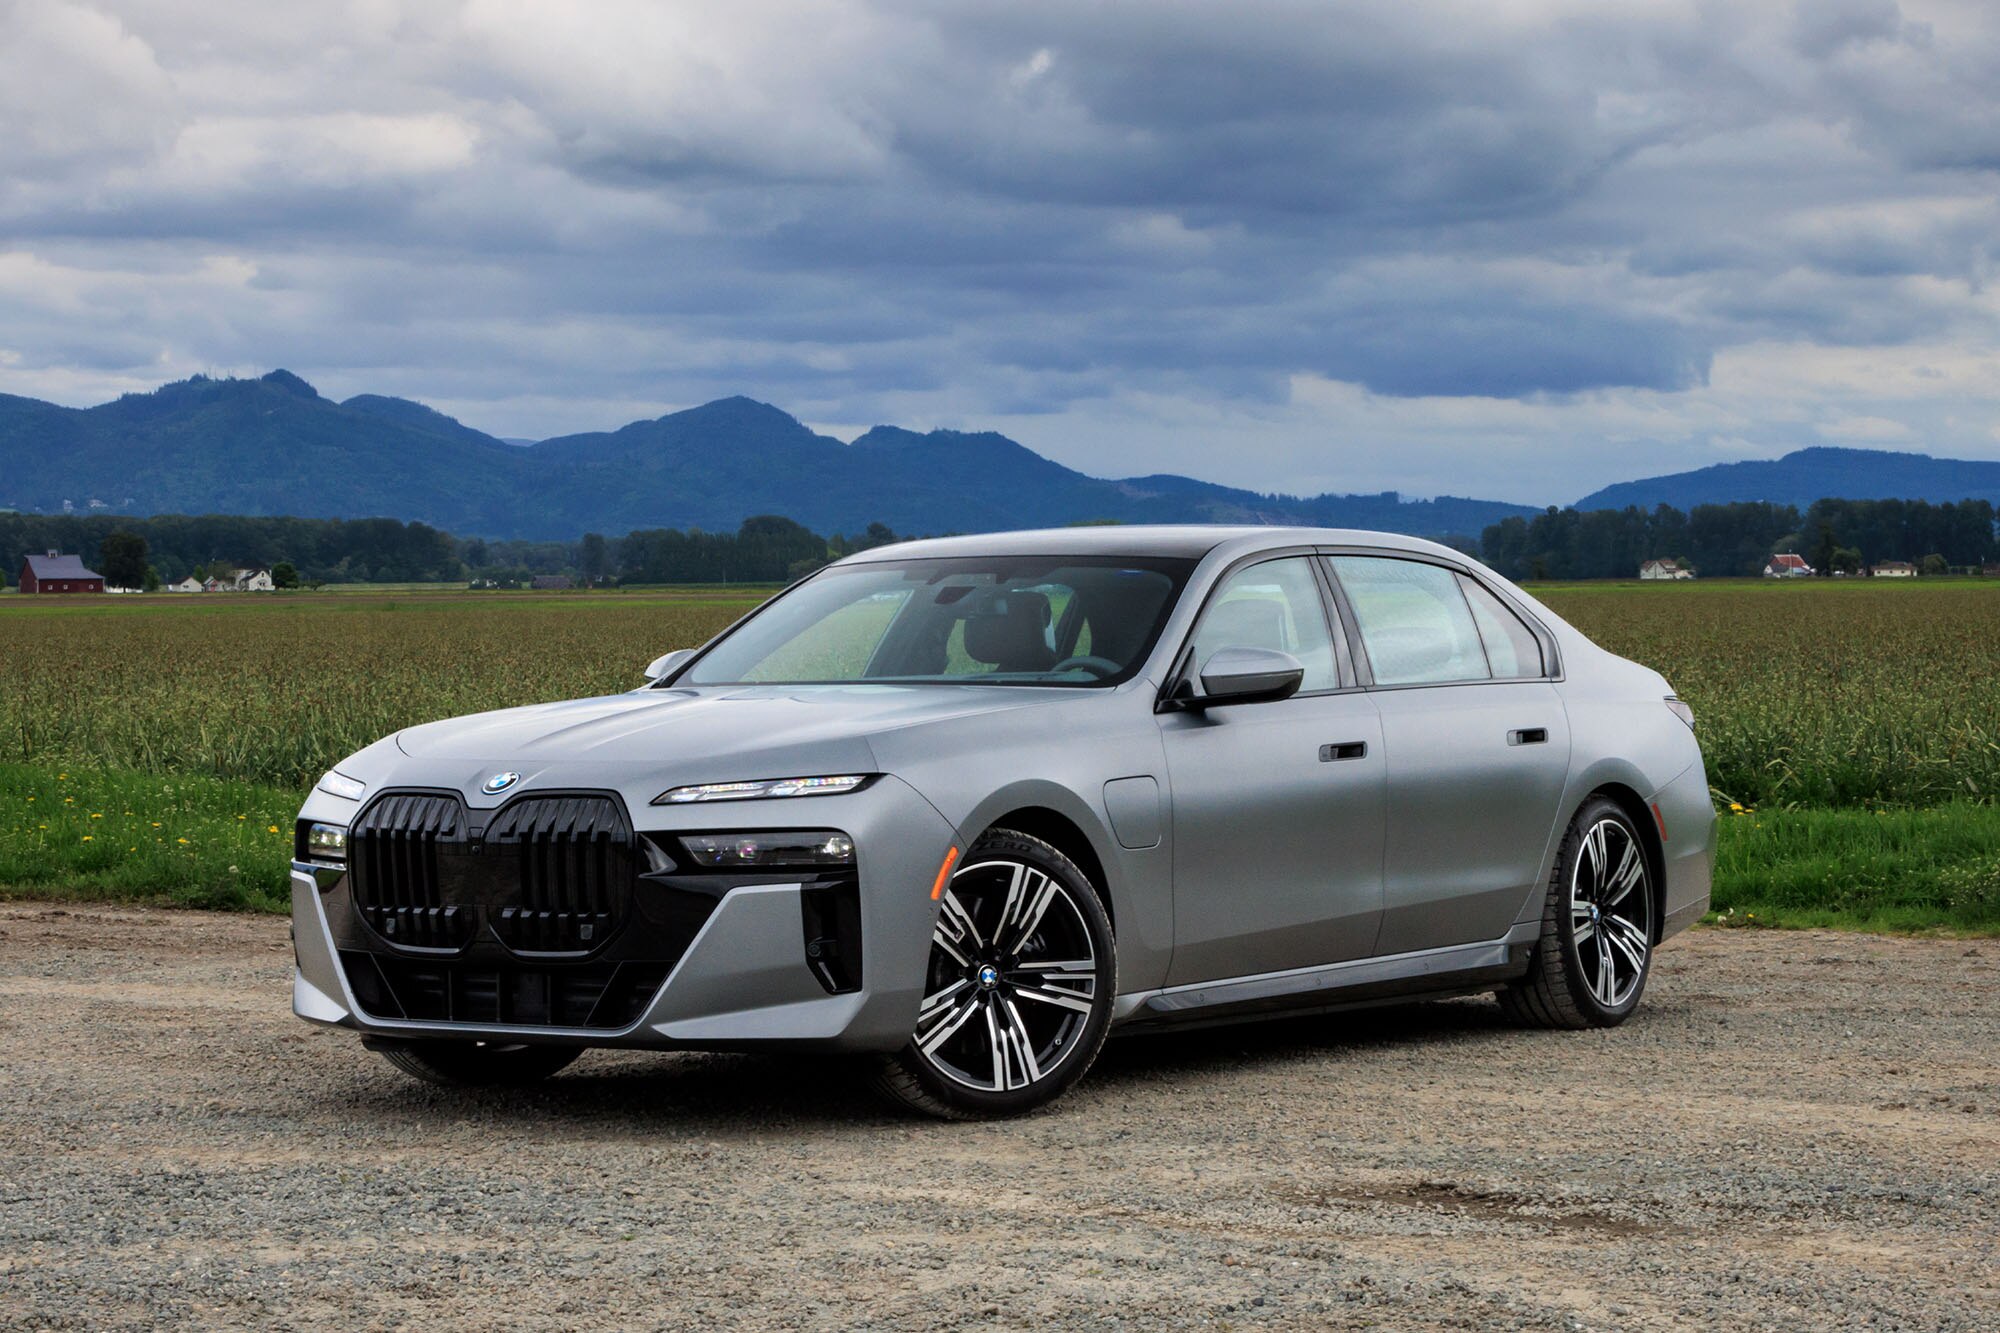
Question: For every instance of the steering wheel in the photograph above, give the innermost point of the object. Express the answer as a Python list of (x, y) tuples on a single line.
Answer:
[(1101, 667)]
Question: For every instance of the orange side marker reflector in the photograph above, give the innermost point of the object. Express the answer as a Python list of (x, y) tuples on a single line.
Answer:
[(1661, 820), (944, 874)]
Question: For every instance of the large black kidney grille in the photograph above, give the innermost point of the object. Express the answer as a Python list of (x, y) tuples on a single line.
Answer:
[(548, 873)]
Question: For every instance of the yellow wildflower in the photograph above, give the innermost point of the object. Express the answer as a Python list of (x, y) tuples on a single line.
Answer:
[(182, 841), (97, 816), (272, 829), (87, 837)]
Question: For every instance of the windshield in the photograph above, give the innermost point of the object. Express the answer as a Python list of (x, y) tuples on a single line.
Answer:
[(999, 620)]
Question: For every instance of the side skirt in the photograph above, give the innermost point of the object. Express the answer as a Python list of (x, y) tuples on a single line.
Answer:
[(1457, 969)]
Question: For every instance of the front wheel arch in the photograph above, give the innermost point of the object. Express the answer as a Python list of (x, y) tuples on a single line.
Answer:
[(1062, 833)]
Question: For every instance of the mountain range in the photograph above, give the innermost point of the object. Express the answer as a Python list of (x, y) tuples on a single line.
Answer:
[(274, 445), (1806, 475)]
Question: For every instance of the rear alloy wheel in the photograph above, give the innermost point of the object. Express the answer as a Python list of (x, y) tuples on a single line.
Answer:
[(1591, 964), (476, 1064), (1018, 988)]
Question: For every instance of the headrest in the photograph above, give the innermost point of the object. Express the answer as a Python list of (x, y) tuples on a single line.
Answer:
[(1011, 633)]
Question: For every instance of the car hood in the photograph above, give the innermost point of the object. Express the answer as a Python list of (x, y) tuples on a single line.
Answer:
[(708, 734)]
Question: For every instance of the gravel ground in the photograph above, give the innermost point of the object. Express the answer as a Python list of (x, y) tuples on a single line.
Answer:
[(1798, 1131)]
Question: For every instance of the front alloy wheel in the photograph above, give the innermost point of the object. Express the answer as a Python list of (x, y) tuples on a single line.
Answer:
[(1018, 987)]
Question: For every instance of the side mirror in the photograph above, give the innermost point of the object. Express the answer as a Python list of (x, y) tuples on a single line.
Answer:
[(1248, 675), (668, 663)]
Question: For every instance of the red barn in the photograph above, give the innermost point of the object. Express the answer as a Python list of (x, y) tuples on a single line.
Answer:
[(55, 572)]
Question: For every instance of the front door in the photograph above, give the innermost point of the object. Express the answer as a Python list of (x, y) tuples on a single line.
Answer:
[(1278, 807)]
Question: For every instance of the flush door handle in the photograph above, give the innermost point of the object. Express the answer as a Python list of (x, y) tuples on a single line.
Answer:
[(1345, 750), (1528, 736)]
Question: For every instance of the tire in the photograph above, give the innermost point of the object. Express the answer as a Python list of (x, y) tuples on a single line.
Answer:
[(476, 1064), (1595, 952), (1004, 1027)]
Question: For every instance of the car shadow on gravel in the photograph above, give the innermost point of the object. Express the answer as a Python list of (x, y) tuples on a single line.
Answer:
[(611, 1093)]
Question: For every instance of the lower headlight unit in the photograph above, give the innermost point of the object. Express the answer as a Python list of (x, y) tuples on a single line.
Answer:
[(755, 851), (326, 844)]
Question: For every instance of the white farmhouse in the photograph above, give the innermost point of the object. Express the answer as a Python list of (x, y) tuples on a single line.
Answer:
[(1665, 569)]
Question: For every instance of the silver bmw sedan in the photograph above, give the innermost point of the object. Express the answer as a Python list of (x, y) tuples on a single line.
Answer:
[(964, 807)]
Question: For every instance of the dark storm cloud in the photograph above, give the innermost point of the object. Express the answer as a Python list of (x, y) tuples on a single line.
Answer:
[(878, 208)]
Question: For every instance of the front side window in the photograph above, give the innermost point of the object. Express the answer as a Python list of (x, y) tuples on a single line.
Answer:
[(1414, 621), (1275, 604), (1001, 620)]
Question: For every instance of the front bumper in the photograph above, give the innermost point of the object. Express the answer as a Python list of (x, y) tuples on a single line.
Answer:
[(743, 982)]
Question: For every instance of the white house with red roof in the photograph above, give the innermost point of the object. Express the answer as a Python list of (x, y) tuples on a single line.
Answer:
[(1788, 566)]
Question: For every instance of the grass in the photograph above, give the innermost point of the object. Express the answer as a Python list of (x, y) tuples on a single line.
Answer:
[(1887, 870), (140, 837)]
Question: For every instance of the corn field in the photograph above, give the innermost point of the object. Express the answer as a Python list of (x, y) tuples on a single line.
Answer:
[(1811, 694)]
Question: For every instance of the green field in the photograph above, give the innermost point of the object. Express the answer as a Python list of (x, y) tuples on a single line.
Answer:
[(1860, 722)]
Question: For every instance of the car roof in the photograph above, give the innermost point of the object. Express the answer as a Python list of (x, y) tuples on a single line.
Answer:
[(1185, 540)]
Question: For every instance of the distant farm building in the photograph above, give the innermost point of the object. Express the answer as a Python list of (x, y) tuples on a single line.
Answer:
[(553, 582), (1893, 569), (188, 584), (56, 572), (1665, 569), (1788, 566), (238, 580)]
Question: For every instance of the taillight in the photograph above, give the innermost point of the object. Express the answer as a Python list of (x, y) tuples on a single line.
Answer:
[(1679, 709)]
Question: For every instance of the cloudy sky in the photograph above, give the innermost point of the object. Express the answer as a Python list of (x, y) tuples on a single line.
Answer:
[(1513, 251)]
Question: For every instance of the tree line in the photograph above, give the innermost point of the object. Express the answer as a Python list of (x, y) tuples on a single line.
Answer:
[(1716, 540), (166, 548), (1731, 540)]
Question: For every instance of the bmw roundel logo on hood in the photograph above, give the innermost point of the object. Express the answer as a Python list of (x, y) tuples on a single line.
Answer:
[(499, 782)]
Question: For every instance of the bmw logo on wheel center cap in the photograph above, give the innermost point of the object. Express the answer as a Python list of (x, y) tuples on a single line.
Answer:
[(499, 782), (989, 976)]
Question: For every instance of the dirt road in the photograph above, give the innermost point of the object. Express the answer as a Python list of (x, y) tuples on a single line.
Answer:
[(1798, 1131)]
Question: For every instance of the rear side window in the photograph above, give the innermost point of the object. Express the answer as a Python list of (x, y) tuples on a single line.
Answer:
[(1512, 649), (1413, 619)]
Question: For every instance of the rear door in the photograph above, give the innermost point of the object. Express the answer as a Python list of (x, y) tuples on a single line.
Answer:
[(1477, 743)]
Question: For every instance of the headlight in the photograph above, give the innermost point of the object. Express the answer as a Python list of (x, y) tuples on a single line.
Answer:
[(326, 844), (339, 784), (763, 787), (1680, 710), (821, 847)]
